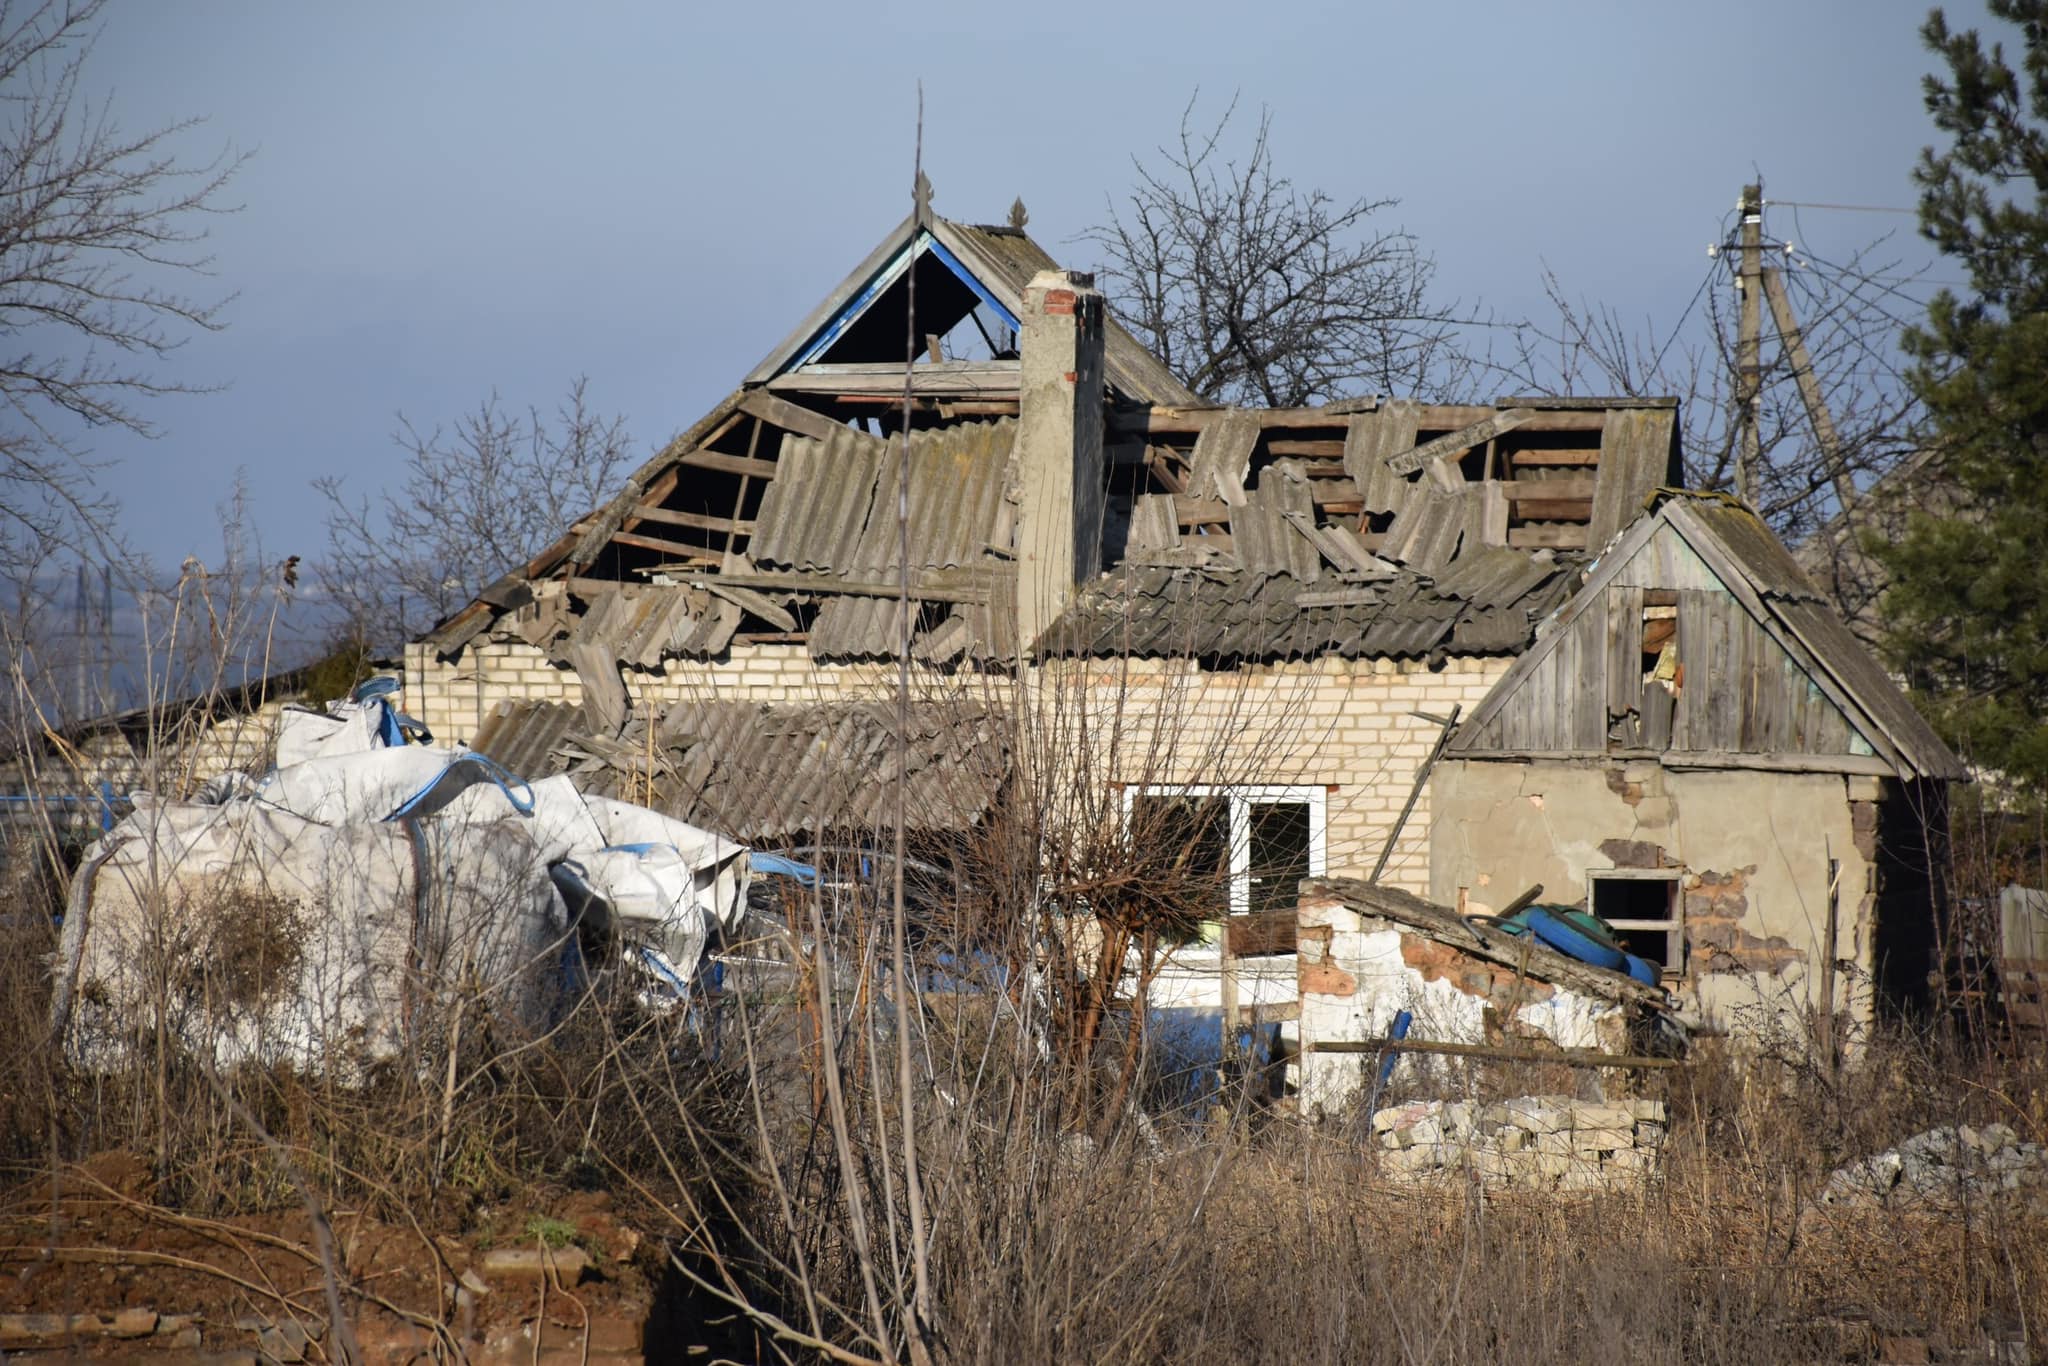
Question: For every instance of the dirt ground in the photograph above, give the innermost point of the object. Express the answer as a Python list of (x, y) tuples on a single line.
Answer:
[(94, 1269)]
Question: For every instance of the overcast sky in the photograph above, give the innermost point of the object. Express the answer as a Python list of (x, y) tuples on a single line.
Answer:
[(449, 198)]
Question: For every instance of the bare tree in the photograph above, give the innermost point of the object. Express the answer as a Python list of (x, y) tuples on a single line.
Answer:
[(1255, 291), (476, 500), (1848, 315), (93, 221)]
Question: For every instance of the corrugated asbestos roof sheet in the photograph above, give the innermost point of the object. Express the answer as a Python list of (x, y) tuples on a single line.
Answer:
[(767, 772), (849, 626), (958, 476), (1261, 534), (760, 773), (831, 506), (642, 624), (1369, 441), (524, 736), (1243, 614), (815, 508)]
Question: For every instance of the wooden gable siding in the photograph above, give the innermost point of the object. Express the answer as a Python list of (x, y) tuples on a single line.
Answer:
[(1740, 693)]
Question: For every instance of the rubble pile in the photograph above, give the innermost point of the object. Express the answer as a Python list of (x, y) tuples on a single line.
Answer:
[(1541, 1142), (1943, 1165)]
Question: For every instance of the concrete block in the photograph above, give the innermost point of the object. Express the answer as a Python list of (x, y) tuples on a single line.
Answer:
[(1652, 1110), (1603, 1140), (1589, 1115), (1413, 1161), (1534, 1114)]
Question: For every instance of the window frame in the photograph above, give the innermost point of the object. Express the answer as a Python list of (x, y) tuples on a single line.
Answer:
[(1241, 798), (1673, 925)]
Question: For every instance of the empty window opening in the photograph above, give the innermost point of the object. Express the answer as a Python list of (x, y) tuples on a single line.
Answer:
[(1234, 850), (1645, 912), (1185, 844), (1281, 855), (1660, 641)]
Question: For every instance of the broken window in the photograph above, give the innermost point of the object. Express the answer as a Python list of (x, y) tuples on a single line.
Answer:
[(1663, 670), (1645, 911), (1262, 841)]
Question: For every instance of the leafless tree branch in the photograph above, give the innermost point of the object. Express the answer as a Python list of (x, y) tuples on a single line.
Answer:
[(476, 500), (1254, 290)]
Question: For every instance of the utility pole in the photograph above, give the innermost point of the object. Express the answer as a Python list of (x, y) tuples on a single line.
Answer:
[(1749, 325), (1816, 403)]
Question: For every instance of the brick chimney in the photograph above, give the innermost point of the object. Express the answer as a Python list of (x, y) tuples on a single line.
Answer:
[(1059, 446)]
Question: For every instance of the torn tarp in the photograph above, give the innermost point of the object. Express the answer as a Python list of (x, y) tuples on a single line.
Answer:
[(347, 910)]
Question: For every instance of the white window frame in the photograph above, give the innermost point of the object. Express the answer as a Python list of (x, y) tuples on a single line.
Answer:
[(1673, 925), (1241, 796)]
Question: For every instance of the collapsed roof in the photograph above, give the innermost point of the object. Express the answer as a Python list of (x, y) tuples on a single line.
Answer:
[(835, 765), (1361, 528)]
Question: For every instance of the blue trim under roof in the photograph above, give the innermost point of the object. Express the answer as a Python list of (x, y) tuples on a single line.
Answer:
[(887, 276)]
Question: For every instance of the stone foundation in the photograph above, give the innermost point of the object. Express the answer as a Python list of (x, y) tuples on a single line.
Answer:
[(1535, 1142)]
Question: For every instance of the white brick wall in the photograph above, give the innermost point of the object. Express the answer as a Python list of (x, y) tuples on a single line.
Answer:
[(1337, 723)]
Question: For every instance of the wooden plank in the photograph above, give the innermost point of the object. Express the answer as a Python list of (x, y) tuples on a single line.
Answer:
[(1314, 450), (1565, 1057), (747, 599), (791, 417), (1692, 723), (660, 545), (1724, 677), (893, 369), (1589, 696), (695, 521), (932, 585), (1557, 536), (1200, 511), (1555, 509), (971, 379), (1458, 442), (1532, 458), (1624, 681), (730, 464), (1493, 513), (1562, 486), (1701, 759), (1437, 417)]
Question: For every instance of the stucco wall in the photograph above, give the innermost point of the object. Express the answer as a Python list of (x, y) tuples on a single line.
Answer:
[(1338, 724), (1752, 850), (1357, 972)]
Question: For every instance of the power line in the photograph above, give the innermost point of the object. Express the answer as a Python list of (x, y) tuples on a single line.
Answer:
[(1704, 282), (1840, 208)]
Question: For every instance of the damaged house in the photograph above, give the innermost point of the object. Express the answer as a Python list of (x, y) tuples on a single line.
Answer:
[(1451, 649)]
